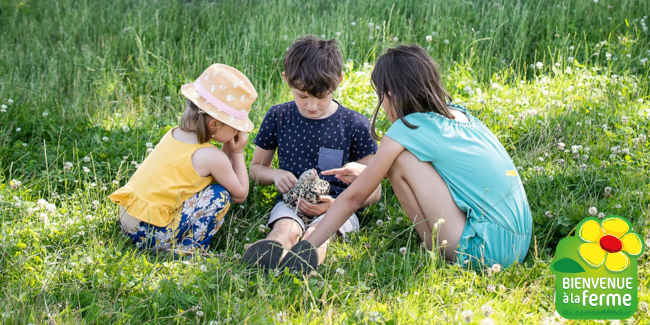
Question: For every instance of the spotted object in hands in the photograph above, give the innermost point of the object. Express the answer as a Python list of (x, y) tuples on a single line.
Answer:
[(309, 187)]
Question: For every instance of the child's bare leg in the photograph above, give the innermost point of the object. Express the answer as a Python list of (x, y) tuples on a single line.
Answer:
[(322, 250), (286, 231), (424, 194)]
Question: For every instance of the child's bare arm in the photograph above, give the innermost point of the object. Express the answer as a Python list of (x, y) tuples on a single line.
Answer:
[(262, 173), (231, 172), (350, 171)]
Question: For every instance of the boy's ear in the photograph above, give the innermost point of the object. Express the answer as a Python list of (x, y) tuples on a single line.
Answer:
[(341, 79), (285, 77)]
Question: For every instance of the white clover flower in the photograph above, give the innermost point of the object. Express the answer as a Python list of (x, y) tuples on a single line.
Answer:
[(502, 287), (593, 211), (608, 190), (491, 288), (618, 206), (402, 250), (340, 271), (625, 119), (149, 150), (50, 207), (539, 65), (487, 321), (125, 129), (374, 316), (10, 101), (18, 129), (133, 162), (467, 316), (486, 309), (429, 38), (395, 39), (322, 36), (601, 215), (353, 23), (199, 313), (87, 159), (105, 139), (497, 111), (608, 56), (446, 41), (371, 25), (379, 223), (3, 106), (168, 98), (548, 214), (85, 169), (149, 145), (496, 268), (89, 217), (370, 37), (93, 184), (560, 146), (337, 34), (237, 256), (45, 114)]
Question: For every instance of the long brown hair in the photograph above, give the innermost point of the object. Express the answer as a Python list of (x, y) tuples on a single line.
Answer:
[(193, 121), (411, 77)]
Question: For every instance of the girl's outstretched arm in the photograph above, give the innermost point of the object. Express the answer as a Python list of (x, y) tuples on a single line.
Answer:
[(354, 196)]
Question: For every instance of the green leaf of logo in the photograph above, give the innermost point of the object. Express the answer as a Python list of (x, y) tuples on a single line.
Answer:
[(567, 265)]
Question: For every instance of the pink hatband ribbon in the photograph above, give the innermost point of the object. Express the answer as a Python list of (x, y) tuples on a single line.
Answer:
[(219, 104)]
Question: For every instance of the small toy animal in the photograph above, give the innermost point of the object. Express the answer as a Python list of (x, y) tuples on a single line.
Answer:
[(309, 187)]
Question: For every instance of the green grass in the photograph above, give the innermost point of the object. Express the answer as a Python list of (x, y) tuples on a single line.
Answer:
[(112, 70)]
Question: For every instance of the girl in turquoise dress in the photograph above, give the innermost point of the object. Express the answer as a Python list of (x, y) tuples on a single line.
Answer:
[(451, 174)]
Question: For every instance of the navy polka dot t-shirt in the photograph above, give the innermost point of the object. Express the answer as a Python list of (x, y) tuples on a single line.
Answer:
[(304, 143)]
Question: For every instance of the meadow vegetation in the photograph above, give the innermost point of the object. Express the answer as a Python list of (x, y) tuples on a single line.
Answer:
[(88, 87)]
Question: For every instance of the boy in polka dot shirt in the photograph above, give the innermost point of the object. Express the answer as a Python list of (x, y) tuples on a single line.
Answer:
[(313, 131)]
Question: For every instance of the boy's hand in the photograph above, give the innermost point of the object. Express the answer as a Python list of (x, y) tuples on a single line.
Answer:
[(348, 173), (315, 210), (238, 143), (285, 182)]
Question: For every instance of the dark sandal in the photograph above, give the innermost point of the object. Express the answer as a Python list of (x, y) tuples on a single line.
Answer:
[(302, 257), (264, 254)]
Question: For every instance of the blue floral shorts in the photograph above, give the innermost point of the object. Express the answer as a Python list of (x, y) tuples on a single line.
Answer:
[(200, 218)]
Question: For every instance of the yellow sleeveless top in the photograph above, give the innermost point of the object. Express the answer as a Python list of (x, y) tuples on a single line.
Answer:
[(162, 183)]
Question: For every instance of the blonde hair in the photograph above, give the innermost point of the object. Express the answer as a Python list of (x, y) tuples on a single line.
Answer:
[(195, 122)]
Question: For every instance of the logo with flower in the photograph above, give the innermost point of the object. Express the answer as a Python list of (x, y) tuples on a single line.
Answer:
[(596, 270)]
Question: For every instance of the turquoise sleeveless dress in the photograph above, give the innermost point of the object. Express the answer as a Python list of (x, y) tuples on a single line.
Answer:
[(473, 163)]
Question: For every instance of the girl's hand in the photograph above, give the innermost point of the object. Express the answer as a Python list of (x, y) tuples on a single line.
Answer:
[(348, 173), (238, 143), (285, 182), (315, 210)]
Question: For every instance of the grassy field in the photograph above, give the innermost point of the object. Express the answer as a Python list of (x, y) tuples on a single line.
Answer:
[(86, 86)]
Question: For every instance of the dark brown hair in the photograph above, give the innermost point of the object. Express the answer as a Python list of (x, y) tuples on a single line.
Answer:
[(411, 77), (314, 66), (193, 121)]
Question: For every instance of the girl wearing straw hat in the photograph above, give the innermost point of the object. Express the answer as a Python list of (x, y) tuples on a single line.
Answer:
[(172, 202)]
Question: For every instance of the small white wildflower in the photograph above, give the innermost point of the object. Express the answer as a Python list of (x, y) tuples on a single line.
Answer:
[(125, 129), (491, 288), (608, 190), (18, 129), (237, 256), (149, 150), (444, 242), (85, 169), (337, 34), (496, 268), (446, 41), (487, 321), (539, 65), (625, 119), (133, 162), (593, 211), (429, 38), (395, 39), (487, 309), (601, 215), (45, 114), (199, 313), (87, 159), (560, 146), (340, 271), (371, 25), (618, 206), (374, 316), (379, 223), (467, 316), (549, 214), (353, 23), (10, 101), (402, 250)]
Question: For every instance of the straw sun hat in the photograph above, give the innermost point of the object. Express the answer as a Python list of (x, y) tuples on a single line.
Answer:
[(225, 94)]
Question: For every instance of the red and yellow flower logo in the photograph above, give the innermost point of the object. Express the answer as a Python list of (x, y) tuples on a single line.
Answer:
[(609, 241)]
